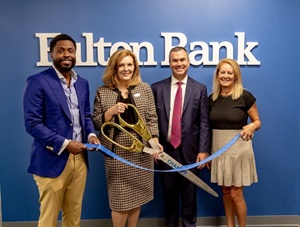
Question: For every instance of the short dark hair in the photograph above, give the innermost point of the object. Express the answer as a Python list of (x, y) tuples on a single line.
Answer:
[(175, 49), (59, 38)]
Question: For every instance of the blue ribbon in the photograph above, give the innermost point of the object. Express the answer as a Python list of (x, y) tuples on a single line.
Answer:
[(182, 168)]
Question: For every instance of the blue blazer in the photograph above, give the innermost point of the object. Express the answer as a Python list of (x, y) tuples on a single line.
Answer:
[(48, 120), (196, 135)]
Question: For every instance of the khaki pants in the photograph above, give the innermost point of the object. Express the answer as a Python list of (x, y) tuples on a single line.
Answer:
[(63, 193)]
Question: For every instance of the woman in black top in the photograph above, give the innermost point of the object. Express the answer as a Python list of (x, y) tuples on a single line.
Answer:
[(230, 108)]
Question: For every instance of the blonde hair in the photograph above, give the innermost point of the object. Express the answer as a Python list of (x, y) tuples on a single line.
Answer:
[(110, 77), (237, 89)]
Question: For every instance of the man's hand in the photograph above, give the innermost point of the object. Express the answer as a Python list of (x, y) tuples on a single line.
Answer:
[(201, 156), (75, 147)]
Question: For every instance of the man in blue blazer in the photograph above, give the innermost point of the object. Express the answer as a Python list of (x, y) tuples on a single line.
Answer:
[(57, 115), (193, 144)]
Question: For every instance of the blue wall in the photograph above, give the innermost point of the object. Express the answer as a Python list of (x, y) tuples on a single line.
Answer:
[(274, 24)]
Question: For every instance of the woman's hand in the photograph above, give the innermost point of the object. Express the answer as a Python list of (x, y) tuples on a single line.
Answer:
[(118, 108), (93, 140), (155, 154), (248, 132), (114, 110)]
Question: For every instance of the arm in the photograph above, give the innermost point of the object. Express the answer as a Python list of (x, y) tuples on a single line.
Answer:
[(89, 126), (204, 127), (45, 120), (151, 115), (88, 123), (204, 145), (105, 107), (249, 129), (38, 122), (97, 115)]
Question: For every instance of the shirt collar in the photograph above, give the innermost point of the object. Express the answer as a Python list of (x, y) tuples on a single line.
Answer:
[(174, 80), (61, 77)]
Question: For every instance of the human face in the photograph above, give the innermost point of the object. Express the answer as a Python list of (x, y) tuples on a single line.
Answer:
[(179, 64), (64, 56), (126, 69), (226, 76)]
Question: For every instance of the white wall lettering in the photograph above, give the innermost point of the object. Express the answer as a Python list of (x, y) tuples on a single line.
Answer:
[(200, 53)]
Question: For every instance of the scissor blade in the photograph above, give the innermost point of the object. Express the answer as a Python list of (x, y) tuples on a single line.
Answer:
[(186, 173)]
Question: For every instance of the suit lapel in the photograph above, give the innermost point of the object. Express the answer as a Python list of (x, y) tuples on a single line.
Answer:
[(188, 94), (80, 98), (58, 91), (167, 96)]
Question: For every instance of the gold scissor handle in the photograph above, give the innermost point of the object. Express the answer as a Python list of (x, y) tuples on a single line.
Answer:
[(139, 127), (136, 146)]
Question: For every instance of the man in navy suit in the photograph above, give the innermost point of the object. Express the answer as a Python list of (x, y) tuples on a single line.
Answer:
[(57, 115), (194, 142)]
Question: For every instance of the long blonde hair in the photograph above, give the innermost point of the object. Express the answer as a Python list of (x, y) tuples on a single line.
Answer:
[(110, 77), (237, 90)]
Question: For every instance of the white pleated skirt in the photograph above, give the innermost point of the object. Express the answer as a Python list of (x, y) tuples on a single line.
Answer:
[(236, 166)]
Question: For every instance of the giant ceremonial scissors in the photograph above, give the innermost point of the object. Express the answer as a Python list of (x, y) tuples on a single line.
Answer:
[(138, 146)]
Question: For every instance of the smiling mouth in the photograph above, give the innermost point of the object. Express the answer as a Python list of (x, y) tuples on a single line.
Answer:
[(67, 59), (179, 69)]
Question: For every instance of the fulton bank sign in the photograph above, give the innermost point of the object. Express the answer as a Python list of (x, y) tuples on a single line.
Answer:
[(200, 53)]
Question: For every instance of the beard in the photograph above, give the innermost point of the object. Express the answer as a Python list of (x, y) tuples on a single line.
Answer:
[(63, 67)]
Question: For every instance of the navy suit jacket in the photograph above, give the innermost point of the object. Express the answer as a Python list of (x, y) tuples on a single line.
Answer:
[(48, 120), (196, 136)]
